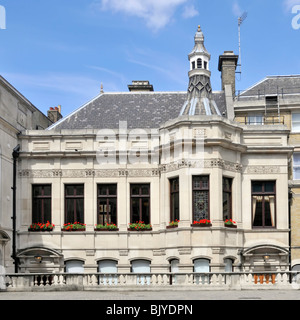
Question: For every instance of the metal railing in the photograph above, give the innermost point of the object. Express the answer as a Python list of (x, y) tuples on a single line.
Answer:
[(269, 120), (157, 281)]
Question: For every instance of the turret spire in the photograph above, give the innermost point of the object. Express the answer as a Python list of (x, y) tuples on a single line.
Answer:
[(199, 100)]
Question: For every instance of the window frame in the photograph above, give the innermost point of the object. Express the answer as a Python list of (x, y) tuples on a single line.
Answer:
[(174, 193), (42, 198), (107, 196), (296, 166), (74, 197), (297, 122), (201, 189), (229, 191), (264, 194), (140, 196)]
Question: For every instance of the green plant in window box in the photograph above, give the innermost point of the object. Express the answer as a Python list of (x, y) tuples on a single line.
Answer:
[(75, 226), (106, 227), (173, 224), (139, 226), (41, 226), (230, 223)]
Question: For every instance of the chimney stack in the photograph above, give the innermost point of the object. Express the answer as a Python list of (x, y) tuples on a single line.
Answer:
[(54, 114), (140, 86), (227, 66)]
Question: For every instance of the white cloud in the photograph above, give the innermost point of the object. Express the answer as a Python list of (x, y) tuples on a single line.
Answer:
[(67, 83), (289, 4), (189, 12), (236, 9), (156, 13)]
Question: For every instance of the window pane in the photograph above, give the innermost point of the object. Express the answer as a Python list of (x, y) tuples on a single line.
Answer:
[(269, 203), (175, 206), (79, 210), (80, 190), (296, 117), (296, 127), (145, 190), (37, 191), (146, 210), (47, 190), (102, 190), (47, 211), (270, 186), (296, 173), (70, 211), (135, 207), (112, 189), (257, 187), (296, 158), (36, 211), (226, 206), (257, 202), (70, 190), (135, 190), (200, 205), (74, 267)]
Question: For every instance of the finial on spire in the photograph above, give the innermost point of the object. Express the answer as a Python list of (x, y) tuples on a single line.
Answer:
[(101, 91), (199, 28)]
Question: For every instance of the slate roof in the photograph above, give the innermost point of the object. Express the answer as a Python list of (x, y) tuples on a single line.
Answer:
[(271, 85), (140, 110)]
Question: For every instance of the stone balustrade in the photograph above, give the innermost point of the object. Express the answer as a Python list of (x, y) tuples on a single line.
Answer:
[(155, 281)]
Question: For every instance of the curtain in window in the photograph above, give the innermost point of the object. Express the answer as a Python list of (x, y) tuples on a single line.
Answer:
[(256, 207)]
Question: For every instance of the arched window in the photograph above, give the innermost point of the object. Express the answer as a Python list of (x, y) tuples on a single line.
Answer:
[(142, 267), (201, 266), (228, 265), (108, 267), (174, 268), (199, 63), (74, 266)]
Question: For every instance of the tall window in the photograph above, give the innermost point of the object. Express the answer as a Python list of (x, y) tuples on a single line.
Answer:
[(263, 204), (107, 204), (74, 203), (227, 198), (140, 202), (296, 166), (41, 203), (255, 119), (200, 198), (295, 122), (174, 199), (199, 63)]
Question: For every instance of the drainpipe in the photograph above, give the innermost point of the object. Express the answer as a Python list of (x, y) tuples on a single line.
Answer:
[(15, 155)]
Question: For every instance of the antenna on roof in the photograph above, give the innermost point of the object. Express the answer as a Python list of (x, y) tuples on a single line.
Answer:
[(241, 19)]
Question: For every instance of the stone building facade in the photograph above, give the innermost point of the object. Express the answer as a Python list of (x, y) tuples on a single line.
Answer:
[(157, 157)]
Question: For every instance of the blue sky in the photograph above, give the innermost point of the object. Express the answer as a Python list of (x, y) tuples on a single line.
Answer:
[(59, 52)]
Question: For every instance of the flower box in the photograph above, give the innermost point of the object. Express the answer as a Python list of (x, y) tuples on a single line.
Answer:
[(139, 226), (229, 223), (41, 227), (76, 226), (173, 224), (106, 227), (202, 223)]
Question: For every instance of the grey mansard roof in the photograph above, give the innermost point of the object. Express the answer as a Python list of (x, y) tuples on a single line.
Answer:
[(273, 85), (140, 110)]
